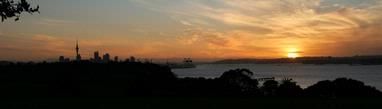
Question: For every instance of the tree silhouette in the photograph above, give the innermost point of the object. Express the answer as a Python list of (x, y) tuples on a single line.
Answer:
[(240, 80), (341, 88), (241, 77), (288, 88), (270, 87), (135, 79), (323, 89), (12, 8)]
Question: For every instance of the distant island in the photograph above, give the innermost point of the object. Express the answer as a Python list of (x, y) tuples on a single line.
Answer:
[(354, 60)]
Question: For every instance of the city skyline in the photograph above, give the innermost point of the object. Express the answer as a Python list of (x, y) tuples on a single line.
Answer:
[(201, 30), (97, 57)]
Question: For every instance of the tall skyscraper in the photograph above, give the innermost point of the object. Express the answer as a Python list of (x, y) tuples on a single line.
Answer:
[(61, 59), (116, 59), (96, 56), (78, 56), (106, 57), (132, 59)]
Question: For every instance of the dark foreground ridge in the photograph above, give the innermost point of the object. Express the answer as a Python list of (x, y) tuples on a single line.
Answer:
[(134, 79)]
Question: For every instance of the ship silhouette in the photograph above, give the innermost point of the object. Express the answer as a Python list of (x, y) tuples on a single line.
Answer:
[(186, 63)]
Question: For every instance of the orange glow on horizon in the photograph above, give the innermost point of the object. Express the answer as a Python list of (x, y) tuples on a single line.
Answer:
[(293, 53)]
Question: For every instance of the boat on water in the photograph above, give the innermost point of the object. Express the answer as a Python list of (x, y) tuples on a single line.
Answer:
[(187, 63)]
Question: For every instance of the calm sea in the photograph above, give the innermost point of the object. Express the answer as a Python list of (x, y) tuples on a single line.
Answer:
[(304, 75)]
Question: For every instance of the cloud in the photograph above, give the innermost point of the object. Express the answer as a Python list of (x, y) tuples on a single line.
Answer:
[(308, 24), (293, 18), (186, 23), (38, 47), (55, 22), (283, 18), (196, 35), (355, 41), (24, 47), (42, 46), (234, 28), (209, 43)]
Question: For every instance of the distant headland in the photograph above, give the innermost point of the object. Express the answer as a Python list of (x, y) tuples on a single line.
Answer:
[(354, 60)]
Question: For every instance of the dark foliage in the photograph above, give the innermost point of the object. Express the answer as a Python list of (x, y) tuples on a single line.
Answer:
[(132, 79), (240, 80), (269, 88), (288, 88), (13, 8), (341, 88), (85, 79)]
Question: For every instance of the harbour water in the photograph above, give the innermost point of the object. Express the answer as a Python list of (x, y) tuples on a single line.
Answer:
[(305, 75)]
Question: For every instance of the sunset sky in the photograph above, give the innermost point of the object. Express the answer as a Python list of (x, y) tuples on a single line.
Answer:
[(200, 29)]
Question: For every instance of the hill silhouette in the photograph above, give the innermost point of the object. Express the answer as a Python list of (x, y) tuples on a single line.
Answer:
[(355, 60)]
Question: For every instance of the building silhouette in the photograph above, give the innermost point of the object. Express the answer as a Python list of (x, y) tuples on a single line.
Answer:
[(61, 59), (116, 59), (78, 56), (67, 60), (132, 59), (97, 58), (106, 57)]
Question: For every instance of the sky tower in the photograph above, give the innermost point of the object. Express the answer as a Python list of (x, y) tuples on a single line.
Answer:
[(78, 56)]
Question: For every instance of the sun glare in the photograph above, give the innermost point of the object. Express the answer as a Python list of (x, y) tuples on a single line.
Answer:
[(292, 55)]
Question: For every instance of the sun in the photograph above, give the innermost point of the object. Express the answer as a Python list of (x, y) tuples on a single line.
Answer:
[(292, 55)]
